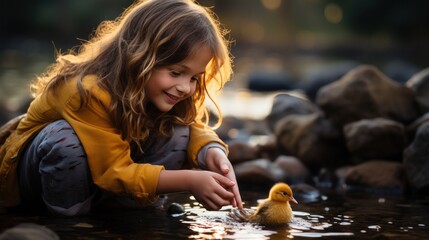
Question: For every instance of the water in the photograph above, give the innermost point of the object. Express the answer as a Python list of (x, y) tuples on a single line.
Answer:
[(335, 216)]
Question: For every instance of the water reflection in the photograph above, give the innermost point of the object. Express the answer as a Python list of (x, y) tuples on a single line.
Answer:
[(217, 225), (335, 216), (349, 218)]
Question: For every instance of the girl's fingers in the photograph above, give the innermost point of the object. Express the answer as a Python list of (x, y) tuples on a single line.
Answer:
[(224, 181), (233, 202), (220, 201), (209, 205), (237, 197)]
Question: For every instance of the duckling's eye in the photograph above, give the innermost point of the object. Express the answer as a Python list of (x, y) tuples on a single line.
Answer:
[(284, 194)]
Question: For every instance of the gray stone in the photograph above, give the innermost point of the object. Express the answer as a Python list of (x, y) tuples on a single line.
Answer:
[(296, 171), (412, 128), (312, 139), (259, 171), (365, 92), (416, 159), (285, 104), (377, 174), (241, 152), (376, 138), (29, 231)]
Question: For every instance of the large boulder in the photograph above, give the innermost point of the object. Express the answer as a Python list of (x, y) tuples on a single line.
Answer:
[(376, 138), (377, 174), (312, 139), (365, 92)]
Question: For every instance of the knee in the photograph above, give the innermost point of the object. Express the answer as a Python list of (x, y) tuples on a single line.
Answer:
[(59, 144)]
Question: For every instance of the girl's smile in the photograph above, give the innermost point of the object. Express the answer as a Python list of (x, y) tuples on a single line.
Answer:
[(171, 98)]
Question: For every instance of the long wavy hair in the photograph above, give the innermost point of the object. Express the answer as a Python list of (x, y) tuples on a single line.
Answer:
[(123, 53)]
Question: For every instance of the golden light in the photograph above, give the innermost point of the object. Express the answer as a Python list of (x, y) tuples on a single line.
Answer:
[(254, 32), (333, 13), (271, 4)]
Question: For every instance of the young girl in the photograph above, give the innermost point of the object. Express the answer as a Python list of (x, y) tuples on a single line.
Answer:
[(123, 115)]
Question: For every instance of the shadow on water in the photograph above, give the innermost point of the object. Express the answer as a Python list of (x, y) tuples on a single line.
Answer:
[(335, 216)]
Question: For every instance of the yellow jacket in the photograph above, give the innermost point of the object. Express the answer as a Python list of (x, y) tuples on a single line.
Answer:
[(108, 154)]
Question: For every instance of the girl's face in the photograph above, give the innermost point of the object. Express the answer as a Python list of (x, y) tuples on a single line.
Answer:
[(171, 84)]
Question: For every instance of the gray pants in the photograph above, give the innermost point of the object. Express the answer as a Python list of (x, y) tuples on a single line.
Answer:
[(54, 173)]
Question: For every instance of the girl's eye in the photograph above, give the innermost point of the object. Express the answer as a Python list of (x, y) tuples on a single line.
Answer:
[(175, 73), (195, 78)]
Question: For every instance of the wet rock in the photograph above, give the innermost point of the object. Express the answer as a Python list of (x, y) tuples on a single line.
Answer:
[(175, 208), (296, 171), (305, 193), (419, 82), (29, 231), (377, 174), (259, 171), (414, 126), (376, 138), (241, 152), (285, 104), (416, 159), (363, 93), (312, 139)]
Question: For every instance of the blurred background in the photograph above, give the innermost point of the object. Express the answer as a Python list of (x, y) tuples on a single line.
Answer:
[(278, 45)]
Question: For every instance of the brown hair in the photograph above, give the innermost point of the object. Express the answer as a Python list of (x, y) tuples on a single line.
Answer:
[(124, 52)]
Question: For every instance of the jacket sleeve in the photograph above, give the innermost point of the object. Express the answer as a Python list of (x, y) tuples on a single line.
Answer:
[(108, 154), (200, 136)]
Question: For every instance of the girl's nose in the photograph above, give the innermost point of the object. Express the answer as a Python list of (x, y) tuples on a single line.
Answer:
[(184, 87)]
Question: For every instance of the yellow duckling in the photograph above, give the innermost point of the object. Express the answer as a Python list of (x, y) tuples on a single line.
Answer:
[(274, 210)]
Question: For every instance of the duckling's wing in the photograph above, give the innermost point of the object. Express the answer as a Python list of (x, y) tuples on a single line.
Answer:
[(262, 211), (241, 215)]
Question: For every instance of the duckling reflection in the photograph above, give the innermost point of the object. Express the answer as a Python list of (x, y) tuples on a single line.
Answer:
[(275, 210)]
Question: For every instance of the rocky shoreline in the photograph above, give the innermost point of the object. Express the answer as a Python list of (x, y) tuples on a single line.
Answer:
[(362, 131)]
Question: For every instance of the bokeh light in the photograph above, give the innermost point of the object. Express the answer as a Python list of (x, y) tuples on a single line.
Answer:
[(271, 4), (333, 13)]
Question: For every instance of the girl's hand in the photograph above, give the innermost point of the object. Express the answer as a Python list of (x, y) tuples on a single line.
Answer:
[(210, 189), (218, 162)]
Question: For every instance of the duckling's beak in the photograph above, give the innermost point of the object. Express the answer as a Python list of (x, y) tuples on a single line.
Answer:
[(291, 199)]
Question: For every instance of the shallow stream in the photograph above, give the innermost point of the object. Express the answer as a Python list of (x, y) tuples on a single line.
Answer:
[(334, 216)]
